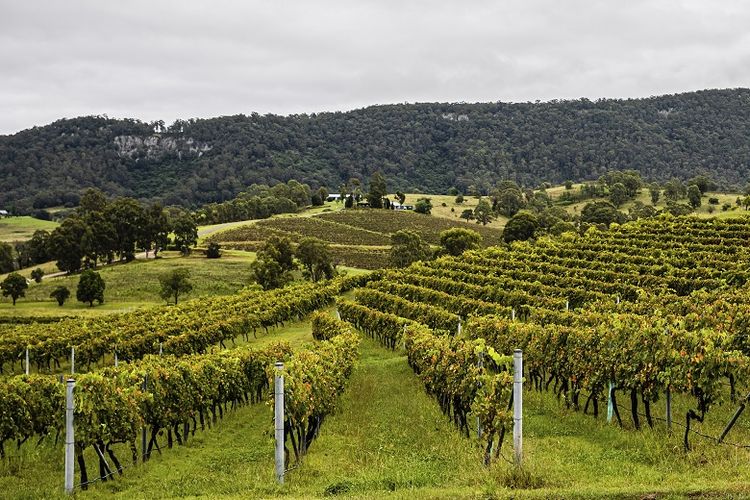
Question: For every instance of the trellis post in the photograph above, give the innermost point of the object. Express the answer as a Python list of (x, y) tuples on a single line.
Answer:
[(69, 436), (518, 407), (278, 413)]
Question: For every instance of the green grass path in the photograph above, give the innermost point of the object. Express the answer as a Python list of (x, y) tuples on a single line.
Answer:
[(387, 435), (388, 438)]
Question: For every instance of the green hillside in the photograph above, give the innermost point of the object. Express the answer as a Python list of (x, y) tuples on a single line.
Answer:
[(426, 147)]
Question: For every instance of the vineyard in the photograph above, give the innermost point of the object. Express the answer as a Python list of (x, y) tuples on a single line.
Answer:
[(650, 310), (358, 238), (645, 326)]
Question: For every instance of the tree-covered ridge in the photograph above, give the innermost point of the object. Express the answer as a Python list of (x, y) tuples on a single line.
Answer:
[(428, 147)]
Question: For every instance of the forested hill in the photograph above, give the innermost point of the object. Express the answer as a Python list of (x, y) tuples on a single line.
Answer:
[(427, 147)]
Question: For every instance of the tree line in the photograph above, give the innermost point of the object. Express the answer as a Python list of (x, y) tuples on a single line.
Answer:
[(423, 147), (100, 231)]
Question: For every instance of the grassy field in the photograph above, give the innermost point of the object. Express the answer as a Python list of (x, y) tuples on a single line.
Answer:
[(389, 439), (22, 227), (705, 210), (452, 210), (136, 284)]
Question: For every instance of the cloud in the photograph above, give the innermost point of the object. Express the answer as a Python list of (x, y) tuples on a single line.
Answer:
[(181, 59)]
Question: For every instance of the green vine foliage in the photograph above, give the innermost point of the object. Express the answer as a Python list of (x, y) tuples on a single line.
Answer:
[(313, 380)]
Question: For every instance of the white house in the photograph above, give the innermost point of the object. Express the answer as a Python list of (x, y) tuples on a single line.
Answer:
[(333, 197), (4, 213)]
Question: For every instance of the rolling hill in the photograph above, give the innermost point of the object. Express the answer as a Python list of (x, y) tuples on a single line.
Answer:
[(426, 147)]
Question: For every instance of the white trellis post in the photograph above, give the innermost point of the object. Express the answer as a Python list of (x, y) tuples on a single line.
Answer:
[(72, 360), (517, 407), (27, 361), (279, 421), (116, 361), (69, 436), (513, 314)]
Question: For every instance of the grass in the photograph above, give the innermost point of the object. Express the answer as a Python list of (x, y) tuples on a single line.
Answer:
[(645, 198), (136, 284), (445, 212), (388, 438), (22, 227)]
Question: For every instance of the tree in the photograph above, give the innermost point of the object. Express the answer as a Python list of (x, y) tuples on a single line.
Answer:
[(467, 214), (483, 212), (674, 190), (6, 258), (703, 183), (401, 197), (694, 196), (508, 201), (154, 231), (100, 239), (349, 202), (378, 190), (316, 259), (279, 249), (459, 199), (93, 200), (521, 226), (568, 185), (60, 294), (185, 232), (175, 283), (38, 247), (618, 194), (269, 274), (126, 216), (457, 240), (37, 275), (14, 285), (655, 191), (601, 212), (90, 288), (407, 247), (423, 206), (66, 243), (274, 263), (213, 251)]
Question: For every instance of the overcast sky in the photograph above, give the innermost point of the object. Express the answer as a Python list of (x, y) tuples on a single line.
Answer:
[(181, 59)]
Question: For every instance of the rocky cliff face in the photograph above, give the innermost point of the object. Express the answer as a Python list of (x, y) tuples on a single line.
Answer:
[(156, 146)]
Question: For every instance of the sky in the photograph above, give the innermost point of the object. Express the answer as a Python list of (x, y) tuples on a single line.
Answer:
[(184, 59)]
